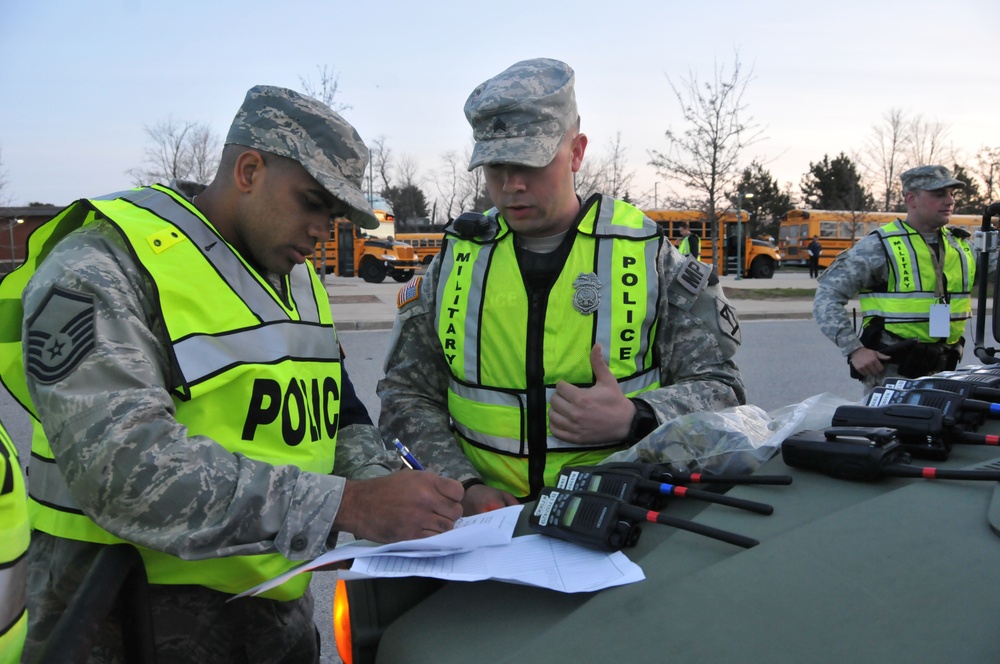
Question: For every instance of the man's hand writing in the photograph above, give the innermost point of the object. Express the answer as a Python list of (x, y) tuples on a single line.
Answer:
[(404, 505)]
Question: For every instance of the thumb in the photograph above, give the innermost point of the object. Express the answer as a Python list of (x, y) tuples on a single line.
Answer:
[(602, 373)]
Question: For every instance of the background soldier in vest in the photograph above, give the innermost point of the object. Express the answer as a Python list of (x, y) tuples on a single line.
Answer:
[(500, 331), (690, 242), (174, 464), (915, 261), (14, 536)]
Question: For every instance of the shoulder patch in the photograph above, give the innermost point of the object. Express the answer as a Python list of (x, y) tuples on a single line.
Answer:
[(410, 292), (694, 277), (60, 335), (729, 322)]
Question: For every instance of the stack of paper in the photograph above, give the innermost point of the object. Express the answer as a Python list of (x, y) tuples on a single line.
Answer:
[(479, 548)]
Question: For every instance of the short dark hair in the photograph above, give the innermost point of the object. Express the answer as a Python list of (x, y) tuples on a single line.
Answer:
[(682, 224)]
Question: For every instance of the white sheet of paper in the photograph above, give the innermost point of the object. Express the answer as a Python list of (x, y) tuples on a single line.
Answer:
[(534, 560), (482, 530)]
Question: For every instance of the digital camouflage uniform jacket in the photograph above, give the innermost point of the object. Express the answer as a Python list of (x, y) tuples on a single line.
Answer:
[(698, 334), (114, 411), (863, 267)]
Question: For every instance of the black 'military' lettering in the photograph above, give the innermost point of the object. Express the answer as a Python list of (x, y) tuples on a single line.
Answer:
[(264, 389)]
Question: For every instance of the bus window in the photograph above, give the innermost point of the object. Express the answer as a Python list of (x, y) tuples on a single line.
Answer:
[(828, 229)]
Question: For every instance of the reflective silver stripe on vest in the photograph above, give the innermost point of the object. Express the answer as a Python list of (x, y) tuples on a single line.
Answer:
[(513, 446), (964, 258), (203, 355), (509, 399), (48, 486), (13, 581), (221, 256), (604, 320)]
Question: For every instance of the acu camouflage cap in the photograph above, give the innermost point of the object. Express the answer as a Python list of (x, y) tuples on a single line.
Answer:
[(929, 178), (292, 125), (521, 115)]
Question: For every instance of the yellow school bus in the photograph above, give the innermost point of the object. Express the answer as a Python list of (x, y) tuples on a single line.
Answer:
[(760, 257), (839, 230)]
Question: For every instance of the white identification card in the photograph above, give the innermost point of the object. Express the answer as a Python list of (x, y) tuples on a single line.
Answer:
[(940, 320)]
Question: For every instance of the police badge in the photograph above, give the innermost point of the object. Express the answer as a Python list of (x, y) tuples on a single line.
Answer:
[(587, 297)]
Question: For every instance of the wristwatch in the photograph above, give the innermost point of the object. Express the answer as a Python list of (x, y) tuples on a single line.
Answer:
[(643, 422)]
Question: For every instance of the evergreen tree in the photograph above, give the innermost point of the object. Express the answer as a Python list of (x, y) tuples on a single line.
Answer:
[(835, 185), (768, 203), (407, 201), (969, 200)]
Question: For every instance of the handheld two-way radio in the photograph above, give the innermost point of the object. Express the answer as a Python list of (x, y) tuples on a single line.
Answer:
[(863, 454), (923, 431), (607, 523), (969, 389), (658, 472), (987, 377), (635, 490), (966, 413)]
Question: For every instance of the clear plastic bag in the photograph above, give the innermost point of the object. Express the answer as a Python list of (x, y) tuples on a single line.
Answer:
[(731, 441)]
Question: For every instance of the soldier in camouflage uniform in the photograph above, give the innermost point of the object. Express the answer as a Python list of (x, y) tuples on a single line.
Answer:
[(540, 234), (892, 267), (121, 410)]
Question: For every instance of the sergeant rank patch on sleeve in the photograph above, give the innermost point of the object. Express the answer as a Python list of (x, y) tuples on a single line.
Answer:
[(60, 335)]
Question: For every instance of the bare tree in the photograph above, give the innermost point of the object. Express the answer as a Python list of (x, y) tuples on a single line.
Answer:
[(381, 163), (178, 150), (589, 178), (884, 153), (705, 155), (329, 86), (927, 143), (407, 170), (205, 151), (609, 174), (988, 170), (449, 184)]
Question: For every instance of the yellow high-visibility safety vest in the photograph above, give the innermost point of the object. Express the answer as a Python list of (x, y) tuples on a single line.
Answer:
[(259, 380), (685, 246), (910, 292), (607, 293), (15, 533)]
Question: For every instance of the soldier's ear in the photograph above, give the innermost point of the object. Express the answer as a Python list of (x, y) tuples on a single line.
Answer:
[(248, 170)]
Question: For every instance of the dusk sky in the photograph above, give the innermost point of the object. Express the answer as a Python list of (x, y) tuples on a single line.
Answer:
[(80, 80)]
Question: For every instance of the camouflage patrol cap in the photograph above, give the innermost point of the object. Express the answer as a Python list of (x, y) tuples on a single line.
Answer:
[(521, 115), (929, 178), (292, 125)]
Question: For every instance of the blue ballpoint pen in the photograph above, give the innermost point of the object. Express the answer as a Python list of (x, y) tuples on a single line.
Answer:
[(408, 459)]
